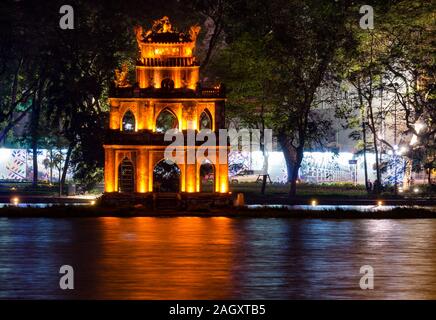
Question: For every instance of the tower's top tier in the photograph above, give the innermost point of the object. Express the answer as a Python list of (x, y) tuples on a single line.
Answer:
[(164, 45), (166, 66)]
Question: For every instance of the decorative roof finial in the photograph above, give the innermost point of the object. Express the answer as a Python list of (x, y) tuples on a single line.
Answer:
[(194, 31), (121, 77), (163, 25)]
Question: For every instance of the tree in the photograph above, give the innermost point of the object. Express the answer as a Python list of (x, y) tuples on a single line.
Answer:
[(410, 62), (302, 49), (64, 75), (214, 13), (244, 67), (391, 61)]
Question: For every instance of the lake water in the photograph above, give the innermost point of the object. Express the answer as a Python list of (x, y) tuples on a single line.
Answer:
[(216, 258)]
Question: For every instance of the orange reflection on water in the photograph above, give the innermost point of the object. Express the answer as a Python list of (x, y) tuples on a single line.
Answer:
[(167, 258), (217, 258)]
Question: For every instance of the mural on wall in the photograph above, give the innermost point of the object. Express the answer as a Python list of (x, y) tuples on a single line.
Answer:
[(238, 161), (17, 165), (393, 170), (317, 167)]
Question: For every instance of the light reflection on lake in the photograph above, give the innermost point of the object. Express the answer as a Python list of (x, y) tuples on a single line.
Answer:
[(361, 208), (216, 258)]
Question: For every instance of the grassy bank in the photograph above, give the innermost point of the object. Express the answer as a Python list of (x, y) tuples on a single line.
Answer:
[(302, 189), (333, 190), (280, 212)]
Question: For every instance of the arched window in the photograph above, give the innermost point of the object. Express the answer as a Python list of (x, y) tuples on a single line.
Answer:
[(129, 122), (165, 121), (207, 177), (126, 176), (166, 177), (205, 120), (167, 84)]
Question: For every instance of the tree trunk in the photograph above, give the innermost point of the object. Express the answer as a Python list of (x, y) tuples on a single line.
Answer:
[(217, 18), (34, 138), (295, 170), (264, 152), (35, 162), (265, 171), (66, 165), (60, 184), (377, 186), (288, 155), (263, 184), (51, 166), (365, 164)]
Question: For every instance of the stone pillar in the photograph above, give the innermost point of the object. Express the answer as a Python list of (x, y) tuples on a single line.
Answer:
[(148, 114), (114, 118), (223, 178), (150, 170), (216, 177), (223, 171), (141, 171), (198, 176), (182, 167), (191, 176), (109, 170), (189, 116), (140, 121), (116, 163)]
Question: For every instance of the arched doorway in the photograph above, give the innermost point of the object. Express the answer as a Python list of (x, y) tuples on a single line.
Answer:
[(166, 121), (126, 176), (129, 124), (166, 177), (167, 84), (205, 121), (207, 177)]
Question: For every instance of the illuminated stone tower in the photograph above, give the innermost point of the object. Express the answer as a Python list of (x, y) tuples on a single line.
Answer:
[(166, 95)]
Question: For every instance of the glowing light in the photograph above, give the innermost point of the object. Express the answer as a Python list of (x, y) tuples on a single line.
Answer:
[(4, 154), (414, 140), (13, 189), (400, 190), (314, 203), (92, 202), (418, 127), (239, 201), (190, 188), (223, 187), (15, 201), (416, 190), (403, 150), (379, 203), (109, 185), (141, 167)]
